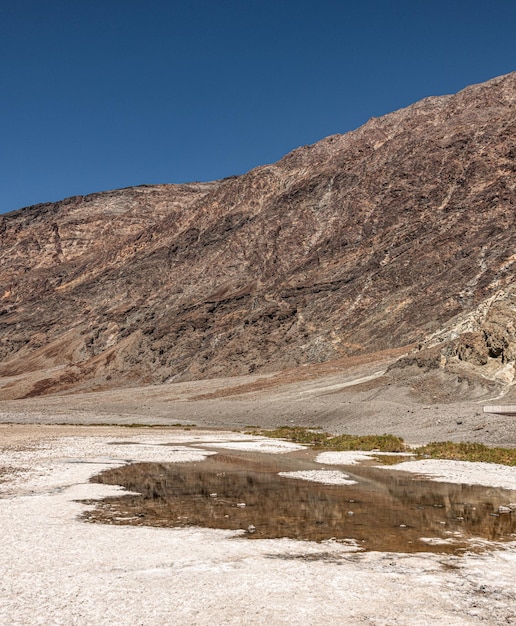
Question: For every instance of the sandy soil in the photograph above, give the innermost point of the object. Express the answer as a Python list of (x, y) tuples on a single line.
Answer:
[(349, 396), (56, 569)]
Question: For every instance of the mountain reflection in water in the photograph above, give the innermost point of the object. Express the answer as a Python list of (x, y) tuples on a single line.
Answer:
[(386, 510)]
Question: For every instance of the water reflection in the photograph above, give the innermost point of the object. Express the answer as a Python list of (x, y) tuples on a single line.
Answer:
[(387, 511)]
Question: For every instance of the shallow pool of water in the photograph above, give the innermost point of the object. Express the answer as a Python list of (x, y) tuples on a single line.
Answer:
[(384, 510)]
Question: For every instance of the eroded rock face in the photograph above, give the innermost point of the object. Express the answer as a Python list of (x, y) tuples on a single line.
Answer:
[(475, 351), (360, 242)]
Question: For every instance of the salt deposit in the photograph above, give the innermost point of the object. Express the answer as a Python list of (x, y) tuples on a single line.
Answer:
[(325, 477), (57, 569)]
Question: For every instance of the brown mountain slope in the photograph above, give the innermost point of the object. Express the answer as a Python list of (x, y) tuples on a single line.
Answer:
[(365, 241)]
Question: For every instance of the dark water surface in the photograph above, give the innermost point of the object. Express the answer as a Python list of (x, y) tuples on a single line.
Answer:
[(386, 510)]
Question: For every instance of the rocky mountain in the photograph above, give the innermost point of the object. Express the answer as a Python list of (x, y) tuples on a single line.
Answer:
[(401, 232)]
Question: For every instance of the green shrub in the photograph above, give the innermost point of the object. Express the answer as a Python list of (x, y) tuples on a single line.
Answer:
[(467, 452), (298, 434), (447, 450)]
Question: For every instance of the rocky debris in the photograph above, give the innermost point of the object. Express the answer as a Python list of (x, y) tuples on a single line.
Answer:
[(478, 347), (488, 332), (472, 347), (361, 242)]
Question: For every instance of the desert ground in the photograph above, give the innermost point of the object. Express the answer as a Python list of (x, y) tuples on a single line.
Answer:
[(357, 395), (58, 569)]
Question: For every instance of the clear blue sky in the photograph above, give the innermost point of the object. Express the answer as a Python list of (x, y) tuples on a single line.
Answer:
[(102, 94)]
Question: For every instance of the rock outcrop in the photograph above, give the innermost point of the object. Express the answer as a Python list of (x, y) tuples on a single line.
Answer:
[(360, 242), (473, 355)]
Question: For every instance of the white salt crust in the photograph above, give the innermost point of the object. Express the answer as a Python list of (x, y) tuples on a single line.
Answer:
[(326, 477), (57, 569)]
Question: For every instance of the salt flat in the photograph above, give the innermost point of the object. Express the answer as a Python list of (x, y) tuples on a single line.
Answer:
[(57, 569)]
